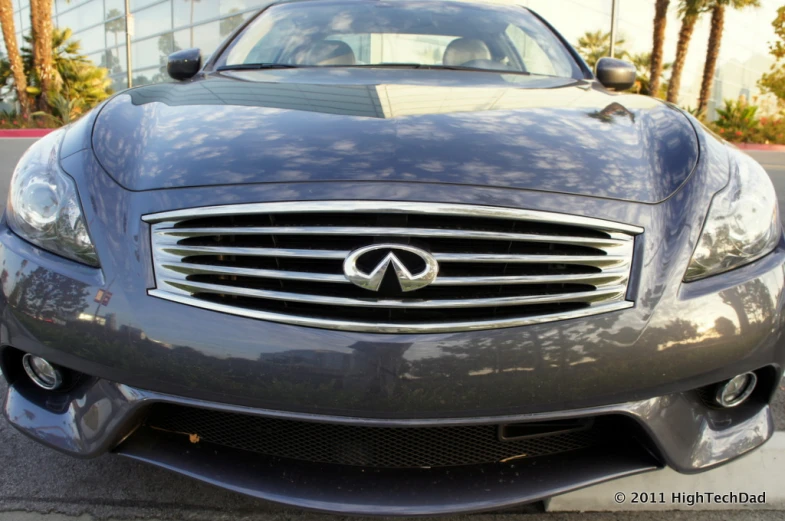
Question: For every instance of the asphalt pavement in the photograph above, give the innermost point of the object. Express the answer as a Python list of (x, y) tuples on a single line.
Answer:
[(35, 481)]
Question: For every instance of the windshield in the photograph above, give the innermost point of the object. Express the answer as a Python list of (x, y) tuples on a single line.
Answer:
[(400, 34)]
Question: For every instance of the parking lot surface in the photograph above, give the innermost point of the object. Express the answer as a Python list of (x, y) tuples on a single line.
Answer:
[(36, 481)]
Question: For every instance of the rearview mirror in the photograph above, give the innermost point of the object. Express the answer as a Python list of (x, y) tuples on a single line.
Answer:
[(182, 65), (616, 74)]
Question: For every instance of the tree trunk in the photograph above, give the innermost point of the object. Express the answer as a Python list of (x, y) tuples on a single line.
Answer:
[(715, 39), (41, 29), (14, 58), (660, 22), (685, 35)]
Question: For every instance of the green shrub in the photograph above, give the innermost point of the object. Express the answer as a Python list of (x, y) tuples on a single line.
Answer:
[(769, 131), (738, 121)]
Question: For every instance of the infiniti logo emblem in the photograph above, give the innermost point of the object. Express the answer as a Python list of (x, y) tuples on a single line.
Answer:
[(398, 256)]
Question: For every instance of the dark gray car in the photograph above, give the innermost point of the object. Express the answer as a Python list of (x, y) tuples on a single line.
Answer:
[(393, 258)]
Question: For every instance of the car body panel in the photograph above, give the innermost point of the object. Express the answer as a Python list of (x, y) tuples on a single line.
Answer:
[(546, 134)]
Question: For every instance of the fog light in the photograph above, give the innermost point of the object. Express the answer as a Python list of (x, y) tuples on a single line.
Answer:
[(736, 390), (42, 373)]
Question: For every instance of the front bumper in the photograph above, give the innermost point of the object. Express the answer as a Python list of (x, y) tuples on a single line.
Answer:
[(99, 416)]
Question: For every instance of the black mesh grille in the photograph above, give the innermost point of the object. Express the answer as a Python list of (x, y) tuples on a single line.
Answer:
[(381, 447)]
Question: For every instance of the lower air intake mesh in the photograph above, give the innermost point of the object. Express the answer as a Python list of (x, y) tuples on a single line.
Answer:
[(380, 447)]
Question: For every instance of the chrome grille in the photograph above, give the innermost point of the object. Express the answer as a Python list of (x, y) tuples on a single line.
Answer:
[(498, 267)]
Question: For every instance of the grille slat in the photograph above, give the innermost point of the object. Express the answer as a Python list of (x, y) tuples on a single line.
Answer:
[(586, 296), (185, 270), (184, 251), (606, 278), (389, 232), (499, 267), (607, 260)]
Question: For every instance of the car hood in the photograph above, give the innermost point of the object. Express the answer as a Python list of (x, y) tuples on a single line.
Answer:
[(480, 129)]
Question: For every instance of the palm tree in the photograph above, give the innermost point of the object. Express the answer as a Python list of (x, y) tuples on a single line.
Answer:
[(718, 8), (14, 58), (82, 84), (193, 4), (595, 45), (41, 29), (643, 82), (690, 11), (115, 26), (660, 22)]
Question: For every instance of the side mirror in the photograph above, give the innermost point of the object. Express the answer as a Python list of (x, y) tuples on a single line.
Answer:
[(184, 64), (616, 74)]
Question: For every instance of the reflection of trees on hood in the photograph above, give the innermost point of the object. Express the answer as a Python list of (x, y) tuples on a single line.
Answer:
[(752, 303), (43, 293), (614, 109)]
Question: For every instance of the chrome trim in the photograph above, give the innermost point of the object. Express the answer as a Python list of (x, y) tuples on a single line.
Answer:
[(598, 260), (381, 327), (253, 252), (183, 270), (393, 207), (611, 264), (605, 278), (389, 232), (608, 277), (607, 294)]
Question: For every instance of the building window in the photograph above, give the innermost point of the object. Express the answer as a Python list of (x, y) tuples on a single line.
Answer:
[(206, 37), (114, 60), (113, 9), (151, 52), (153, 20), (91, 40), (87, 15), (190, 12)]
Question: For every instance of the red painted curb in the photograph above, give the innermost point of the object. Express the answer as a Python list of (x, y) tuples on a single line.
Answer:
[(25, 132), (761, 148)]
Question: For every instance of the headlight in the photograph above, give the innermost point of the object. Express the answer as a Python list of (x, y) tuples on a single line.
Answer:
[(743, 222), (43, 205)]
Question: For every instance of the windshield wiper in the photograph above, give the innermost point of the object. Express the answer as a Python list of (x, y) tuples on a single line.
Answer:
[(477, 69), (423, 66), (256, 66)]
